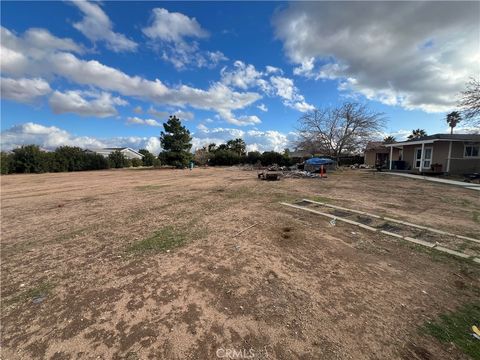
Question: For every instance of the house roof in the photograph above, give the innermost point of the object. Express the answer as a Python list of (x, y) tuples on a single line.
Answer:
[(299, 154), (111, 149), (460, 137), (374, 145), (439, 137)]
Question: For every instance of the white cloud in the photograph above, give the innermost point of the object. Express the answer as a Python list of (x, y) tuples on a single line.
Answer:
[(262, 107), (463, 129), (182, 115), (218, 97), (285, 88), (245, 76), (138, 110), (273, 70), (173, 26), (399, 135), (139, 121), (301, 106), (48, 137), (256, 140), (24, 90), (172, 34), (25, 55), (85, 103), (415, 55), (51, 137), (158, 114), (97, 26)]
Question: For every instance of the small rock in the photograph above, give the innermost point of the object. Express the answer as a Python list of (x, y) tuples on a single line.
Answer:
[(38, 300), (22, 285)]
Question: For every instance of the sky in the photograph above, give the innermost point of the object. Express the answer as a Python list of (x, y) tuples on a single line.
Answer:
[(96, 74)]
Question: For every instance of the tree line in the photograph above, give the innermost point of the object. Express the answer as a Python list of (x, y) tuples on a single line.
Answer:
[(175, 141), (176, 144), (31, 159)]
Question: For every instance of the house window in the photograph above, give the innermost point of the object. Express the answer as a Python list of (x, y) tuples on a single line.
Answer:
[(471, 150)]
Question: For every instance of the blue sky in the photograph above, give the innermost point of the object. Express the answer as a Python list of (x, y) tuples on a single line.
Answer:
[(98, 74)]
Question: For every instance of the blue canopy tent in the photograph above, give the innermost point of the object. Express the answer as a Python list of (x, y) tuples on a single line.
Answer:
[(313, 164), (319, 161)]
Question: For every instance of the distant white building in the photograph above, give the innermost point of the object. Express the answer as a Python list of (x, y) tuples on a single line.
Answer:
[(126, 151)]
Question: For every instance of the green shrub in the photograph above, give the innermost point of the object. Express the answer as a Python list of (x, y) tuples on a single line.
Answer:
[(272, 157), (157, 163), (6, 163), (253, 157), (28, 159), (118, 160), (148, 157), (226, 157), (137, 162)]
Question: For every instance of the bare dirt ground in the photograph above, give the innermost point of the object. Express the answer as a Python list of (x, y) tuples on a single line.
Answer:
[(291, 287)]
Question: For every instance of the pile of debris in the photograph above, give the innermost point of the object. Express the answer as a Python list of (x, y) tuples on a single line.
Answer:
[(270, 175), (300, 174), (359, 166)]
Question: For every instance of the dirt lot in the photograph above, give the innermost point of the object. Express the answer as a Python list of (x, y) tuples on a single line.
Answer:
[(80, 281)]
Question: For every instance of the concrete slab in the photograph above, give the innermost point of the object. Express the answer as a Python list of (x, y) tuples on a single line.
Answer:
[(419, 242), (452, 252), (391, 234), (438, 180)]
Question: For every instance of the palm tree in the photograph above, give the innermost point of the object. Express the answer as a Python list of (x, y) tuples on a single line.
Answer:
[(453, 119), (389, 139), (416, 134)]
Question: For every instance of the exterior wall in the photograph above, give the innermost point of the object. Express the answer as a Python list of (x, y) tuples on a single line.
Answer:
[(458, 164), (408, 152), (461, 165), (371, 155), (131, 155), (440, 153)]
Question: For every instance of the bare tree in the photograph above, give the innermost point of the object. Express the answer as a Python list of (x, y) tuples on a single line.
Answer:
[(470, 102), (340, 130)]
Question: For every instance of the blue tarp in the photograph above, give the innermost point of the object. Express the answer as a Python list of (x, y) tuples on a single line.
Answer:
[(318, 161)]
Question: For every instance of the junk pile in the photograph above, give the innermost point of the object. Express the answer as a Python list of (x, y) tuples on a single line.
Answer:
[(311, 168), (300, 174), (273, 173)]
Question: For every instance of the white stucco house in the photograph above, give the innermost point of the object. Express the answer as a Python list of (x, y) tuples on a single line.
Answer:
[(126, 151)]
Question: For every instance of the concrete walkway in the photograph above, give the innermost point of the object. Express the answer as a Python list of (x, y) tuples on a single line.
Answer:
[(438, 180)]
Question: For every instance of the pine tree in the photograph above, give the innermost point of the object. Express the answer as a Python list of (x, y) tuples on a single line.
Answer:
[(176, 143)]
